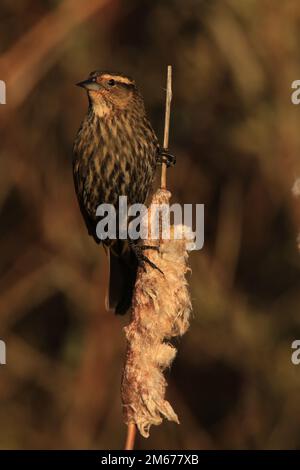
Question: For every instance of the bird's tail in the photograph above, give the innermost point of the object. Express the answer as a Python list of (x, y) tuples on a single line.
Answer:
[(122, 276)]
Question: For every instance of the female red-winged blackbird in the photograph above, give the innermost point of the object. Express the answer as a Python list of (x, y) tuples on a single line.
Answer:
[(115, 154)]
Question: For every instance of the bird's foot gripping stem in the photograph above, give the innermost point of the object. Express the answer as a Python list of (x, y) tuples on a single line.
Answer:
[(141, 258), (165, 157)]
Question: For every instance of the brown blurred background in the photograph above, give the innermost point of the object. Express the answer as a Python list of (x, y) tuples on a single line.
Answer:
[(236, 137)]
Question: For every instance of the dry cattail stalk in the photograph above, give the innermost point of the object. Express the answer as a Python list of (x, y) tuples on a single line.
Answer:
[(160, 311)]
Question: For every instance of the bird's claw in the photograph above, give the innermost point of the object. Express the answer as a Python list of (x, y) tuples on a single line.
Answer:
[(141, 258), (165, 157)]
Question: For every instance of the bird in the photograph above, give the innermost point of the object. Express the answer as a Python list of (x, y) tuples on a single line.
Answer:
[(115, 153)]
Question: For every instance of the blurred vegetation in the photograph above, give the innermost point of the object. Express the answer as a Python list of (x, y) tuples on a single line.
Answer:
[(236, 137)]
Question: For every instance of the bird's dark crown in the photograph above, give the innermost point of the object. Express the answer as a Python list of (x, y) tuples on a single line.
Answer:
[(110, 92), (118, 77)]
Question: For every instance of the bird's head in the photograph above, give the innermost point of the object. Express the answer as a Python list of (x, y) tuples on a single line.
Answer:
[(109, 92)]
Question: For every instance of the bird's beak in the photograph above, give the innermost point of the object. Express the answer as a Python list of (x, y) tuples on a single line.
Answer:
[(89, 85)]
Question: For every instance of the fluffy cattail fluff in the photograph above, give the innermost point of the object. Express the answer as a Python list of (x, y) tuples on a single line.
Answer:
[(160, 311)]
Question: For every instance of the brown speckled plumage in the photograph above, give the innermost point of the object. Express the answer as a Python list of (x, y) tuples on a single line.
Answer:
[(115, 154)]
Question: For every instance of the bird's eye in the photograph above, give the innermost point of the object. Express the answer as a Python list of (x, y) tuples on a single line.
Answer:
[(111, 82)]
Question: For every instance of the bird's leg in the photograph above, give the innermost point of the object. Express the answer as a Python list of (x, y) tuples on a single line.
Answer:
[(149, 247), (164, 156), (141, 258)]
